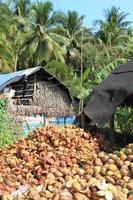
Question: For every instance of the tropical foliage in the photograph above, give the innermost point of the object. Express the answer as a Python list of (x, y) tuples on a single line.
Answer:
[(33, 33), (114, 29), (7, 130), (124, 120), (68, 77)]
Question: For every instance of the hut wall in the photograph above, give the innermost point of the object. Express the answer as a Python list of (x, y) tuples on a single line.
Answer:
[(41, 94), (52, 99)]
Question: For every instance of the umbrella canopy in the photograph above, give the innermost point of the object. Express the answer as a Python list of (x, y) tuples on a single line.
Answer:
[(110, 93)]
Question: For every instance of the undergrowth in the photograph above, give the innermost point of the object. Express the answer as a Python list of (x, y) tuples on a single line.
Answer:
[(7, 125)]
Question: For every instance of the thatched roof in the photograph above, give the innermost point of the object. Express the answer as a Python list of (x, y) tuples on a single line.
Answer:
[(14, 77)]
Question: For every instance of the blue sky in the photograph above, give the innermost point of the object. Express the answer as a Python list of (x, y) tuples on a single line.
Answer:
[(93, 9)]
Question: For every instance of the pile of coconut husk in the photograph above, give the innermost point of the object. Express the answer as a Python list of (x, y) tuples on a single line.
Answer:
[(64, 163), (50, 156)]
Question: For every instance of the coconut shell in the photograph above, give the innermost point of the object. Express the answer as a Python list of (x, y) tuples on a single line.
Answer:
[(65, 195), (79, 196), (112, 167)]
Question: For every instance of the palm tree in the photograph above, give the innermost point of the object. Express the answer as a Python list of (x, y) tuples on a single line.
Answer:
[(114, 29), (6, 53), (70, 25), (5, 18), (41, 43), (10, 39), (21, 7)]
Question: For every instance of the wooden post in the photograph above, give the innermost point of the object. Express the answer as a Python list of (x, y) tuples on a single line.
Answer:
[(44, 120), (82, 120), (111, 130), (35, 83), (81, 85)]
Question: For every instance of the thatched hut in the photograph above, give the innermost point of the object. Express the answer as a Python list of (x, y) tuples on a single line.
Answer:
[(37, 92)]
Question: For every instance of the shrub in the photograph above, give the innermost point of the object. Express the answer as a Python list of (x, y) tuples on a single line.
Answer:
[(7, 126), (124, 120)]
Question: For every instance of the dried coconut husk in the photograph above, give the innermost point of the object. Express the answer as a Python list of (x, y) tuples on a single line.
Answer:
[(48, 156)]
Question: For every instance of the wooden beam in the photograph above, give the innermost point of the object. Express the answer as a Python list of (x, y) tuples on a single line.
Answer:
[(22, 84), (26, 90), (35, 82), (25, 96)]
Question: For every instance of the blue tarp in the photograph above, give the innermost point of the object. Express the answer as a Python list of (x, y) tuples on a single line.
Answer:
[(57, 121), (27, 129), (7, 79), (63, 120)]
